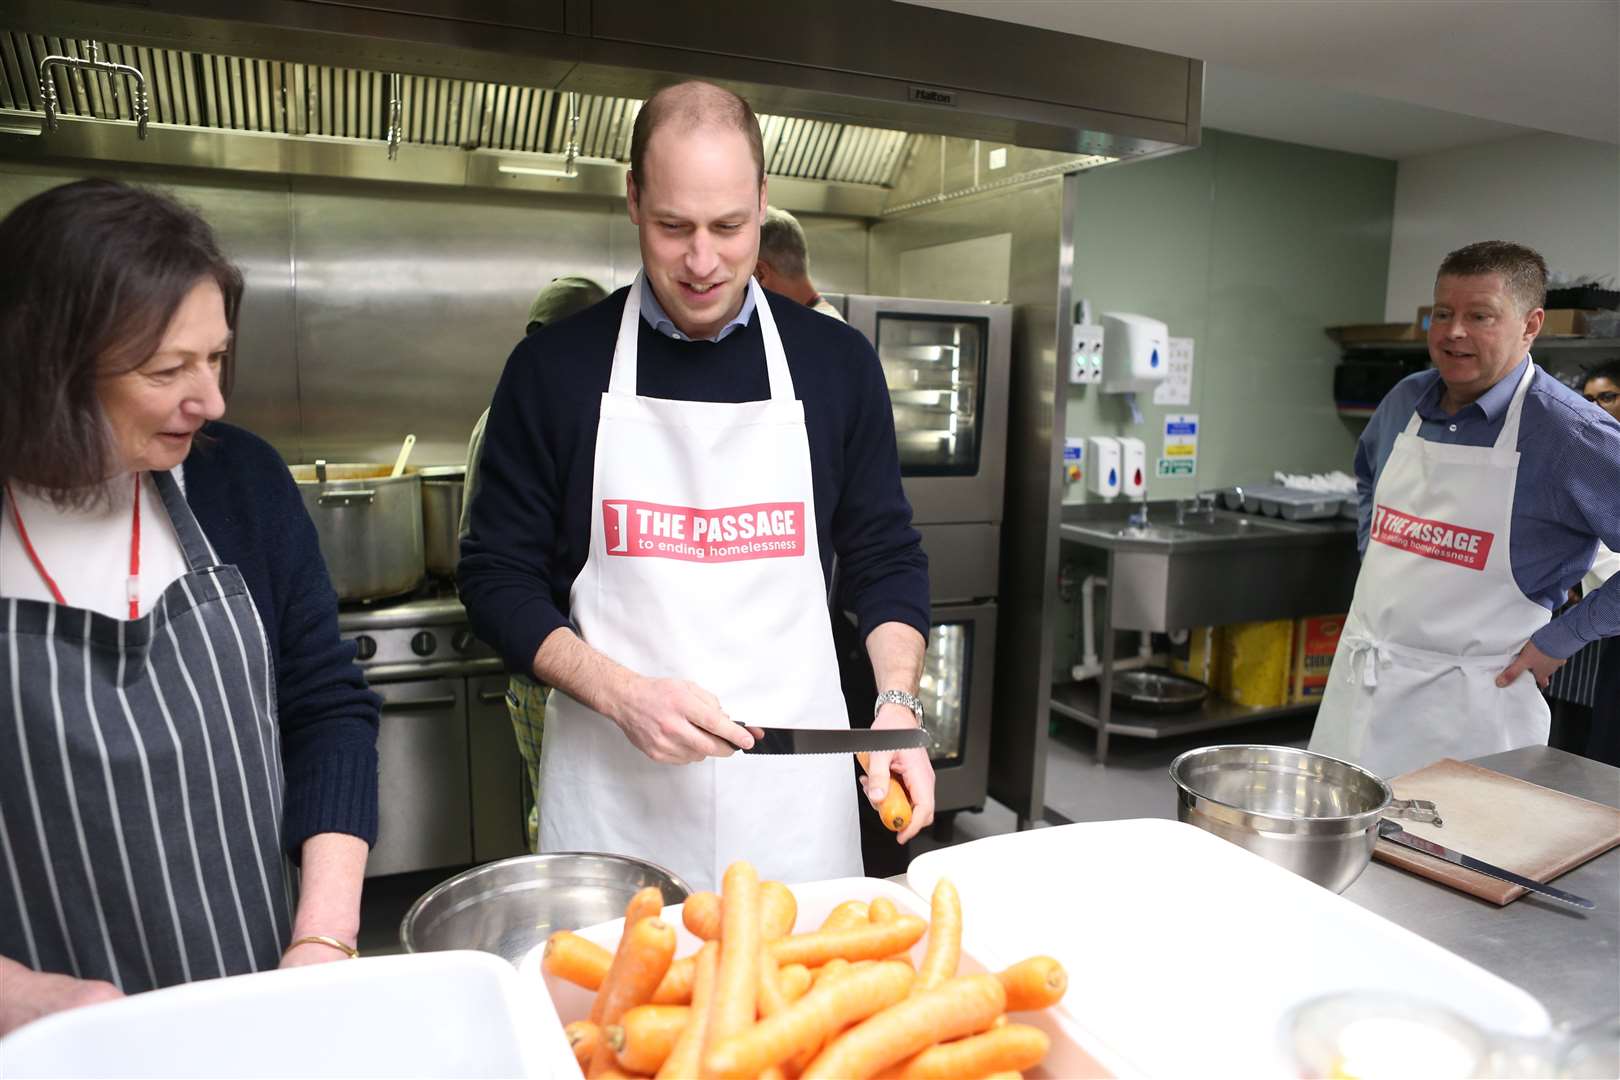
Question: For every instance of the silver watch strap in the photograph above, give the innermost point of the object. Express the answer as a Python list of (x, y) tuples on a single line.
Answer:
[(899, 697)]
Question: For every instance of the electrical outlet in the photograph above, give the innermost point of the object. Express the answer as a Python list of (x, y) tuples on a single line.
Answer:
[(1085, 366)]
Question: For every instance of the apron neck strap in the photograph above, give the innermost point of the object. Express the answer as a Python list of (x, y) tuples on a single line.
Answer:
[(192, 541), (623, 379), (1508, 438)]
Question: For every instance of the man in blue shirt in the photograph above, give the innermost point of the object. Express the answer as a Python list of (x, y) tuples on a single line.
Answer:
[(1485, 486), (667, 477)]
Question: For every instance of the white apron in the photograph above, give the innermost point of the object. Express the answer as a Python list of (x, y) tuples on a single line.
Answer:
[(704, 565), (1437, 614)]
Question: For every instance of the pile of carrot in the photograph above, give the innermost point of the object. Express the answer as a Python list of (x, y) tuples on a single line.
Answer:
[(758, 1002)]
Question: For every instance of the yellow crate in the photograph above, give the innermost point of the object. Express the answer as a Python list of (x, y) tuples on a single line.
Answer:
[(1256, 663)]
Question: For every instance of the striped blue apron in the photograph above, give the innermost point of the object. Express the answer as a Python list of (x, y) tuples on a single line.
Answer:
[(140, 783)]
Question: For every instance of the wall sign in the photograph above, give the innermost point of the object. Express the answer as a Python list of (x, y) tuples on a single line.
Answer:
[(1180, 454)]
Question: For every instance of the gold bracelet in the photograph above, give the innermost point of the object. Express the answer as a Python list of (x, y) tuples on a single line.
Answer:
[(331, 942)]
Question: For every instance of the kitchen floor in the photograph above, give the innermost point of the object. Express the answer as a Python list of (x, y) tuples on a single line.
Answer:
[(1135, 783)]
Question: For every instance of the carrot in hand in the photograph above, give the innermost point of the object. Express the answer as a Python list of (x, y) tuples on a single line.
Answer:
[(895, 808)]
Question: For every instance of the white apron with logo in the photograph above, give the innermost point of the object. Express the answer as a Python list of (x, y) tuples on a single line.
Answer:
[(704, 565), (1437, 614)]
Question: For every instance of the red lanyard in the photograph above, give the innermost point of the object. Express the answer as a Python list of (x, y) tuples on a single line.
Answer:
[(133, 585)]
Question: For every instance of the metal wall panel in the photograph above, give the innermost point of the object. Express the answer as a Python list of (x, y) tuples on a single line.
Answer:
[(1034, 215), (372, 310), (409, 304)]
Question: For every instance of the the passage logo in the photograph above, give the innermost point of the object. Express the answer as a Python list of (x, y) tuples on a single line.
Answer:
[(724, 534), (1468, 548)]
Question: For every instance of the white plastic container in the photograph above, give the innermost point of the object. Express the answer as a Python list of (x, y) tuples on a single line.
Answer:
[(1132, 467), (1076, 1051), (449, 1014), (1187, 953), (1103, 475), (1136, 353)]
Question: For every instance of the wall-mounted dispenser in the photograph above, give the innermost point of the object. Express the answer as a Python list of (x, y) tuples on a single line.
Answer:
[(1103, 470), (1136, 352), (1132, 467)]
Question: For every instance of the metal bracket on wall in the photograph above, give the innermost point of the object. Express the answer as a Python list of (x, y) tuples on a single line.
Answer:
[(47, 83)]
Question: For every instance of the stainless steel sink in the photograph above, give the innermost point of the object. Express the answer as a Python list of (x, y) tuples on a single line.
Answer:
[(1213, 569), (1111, 524)]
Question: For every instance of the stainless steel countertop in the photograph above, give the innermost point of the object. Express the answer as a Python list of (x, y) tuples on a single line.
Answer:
[(1569, 960)]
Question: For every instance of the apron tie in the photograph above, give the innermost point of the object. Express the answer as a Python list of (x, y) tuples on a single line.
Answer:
[(1366, 652)]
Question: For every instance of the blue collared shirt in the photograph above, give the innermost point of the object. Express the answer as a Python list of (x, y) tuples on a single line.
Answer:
[(1566, 498), (653, 312)]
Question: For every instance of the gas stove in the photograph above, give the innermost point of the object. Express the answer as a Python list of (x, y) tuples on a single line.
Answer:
[(423, 635)]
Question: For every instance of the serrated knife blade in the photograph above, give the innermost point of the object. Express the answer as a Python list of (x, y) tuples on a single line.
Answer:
[(1388, 830), (782, 740)]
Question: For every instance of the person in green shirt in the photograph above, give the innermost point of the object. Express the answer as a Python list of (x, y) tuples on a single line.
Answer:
[(525, 698)]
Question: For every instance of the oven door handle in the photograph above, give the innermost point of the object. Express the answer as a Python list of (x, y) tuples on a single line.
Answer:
[(417, 704), (491, 696)]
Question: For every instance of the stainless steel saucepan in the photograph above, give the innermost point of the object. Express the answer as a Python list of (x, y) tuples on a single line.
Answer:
[(369, 524)]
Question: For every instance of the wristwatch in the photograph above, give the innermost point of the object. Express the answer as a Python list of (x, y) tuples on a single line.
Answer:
[(899, 697)]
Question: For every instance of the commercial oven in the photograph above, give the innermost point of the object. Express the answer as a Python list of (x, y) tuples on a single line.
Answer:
[(946, 364)]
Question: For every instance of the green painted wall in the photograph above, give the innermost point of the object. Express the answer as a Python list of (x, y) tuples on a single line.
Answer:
[(1250, 247)]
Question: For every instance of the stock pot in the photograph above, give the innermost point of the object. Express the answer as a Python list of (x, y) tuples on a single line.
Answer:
[(442, 487), (369, 524)]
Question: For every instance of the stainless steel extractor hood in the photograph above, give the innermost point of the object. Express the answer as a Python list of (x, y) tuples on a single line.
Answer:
[(469, 90)]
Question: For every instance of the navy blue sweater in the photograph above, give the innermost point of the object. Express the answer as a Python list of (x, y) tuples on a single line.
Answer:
[(249, 508), (531, 521)]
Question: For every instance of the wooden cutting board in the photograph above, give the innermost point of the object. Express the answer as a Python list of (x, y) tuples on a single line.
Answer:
[(1534, 831)]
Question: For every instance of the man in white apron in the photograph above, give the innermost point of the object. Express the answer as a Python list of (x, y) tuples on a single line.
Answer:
[(1485, 486), (699, 603)]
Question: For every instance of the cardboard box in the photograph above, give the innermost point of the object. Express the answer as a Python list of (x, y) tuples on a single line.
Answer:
[(1200, 657), (1364, 333), (1316, 639), (1566, 321)]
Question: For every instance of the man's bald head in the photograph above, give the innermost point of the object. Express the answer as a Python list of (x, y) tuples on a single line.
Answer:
[(686, 107)]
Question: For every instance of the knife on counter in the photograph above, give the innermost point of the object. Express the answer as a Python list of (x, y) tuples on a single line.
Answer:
[(1389, 830), (781, 740)]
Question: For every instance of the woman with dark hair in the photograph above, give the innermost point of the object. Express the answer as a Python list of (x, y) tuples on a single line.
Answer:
[(179, 721)]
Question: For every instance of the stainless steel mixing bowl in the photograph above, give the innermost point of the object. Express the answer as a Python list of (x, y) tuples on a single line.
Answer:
[(1315, 815), (512, 906)]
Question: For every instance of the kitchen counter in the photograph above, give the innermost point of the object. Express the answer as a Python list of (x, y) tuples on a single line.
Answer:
[(1570, 960)]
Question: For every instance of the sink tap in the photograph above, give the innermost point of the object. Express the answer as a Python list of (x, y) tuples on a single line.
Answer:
[(1139, 520)]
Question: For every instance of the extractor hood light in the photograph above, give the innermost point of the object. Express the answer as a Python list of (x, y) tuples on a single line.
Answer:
[(534, 170), (11, 126)]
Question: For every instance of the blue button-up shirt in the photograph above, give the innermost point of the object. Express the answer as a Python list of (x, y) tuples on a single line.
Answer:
[(1566, 498), (653, 312)]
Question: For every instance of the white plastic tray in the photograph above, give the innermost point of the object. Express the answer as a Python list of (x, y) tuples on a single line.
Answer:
[(1074, 1048), (1185, 951), (443, 1014)]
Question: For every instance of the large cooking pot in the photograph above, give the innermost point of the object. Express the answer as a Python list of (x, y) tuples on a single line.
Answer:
[(442, 487), (370, 527)]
